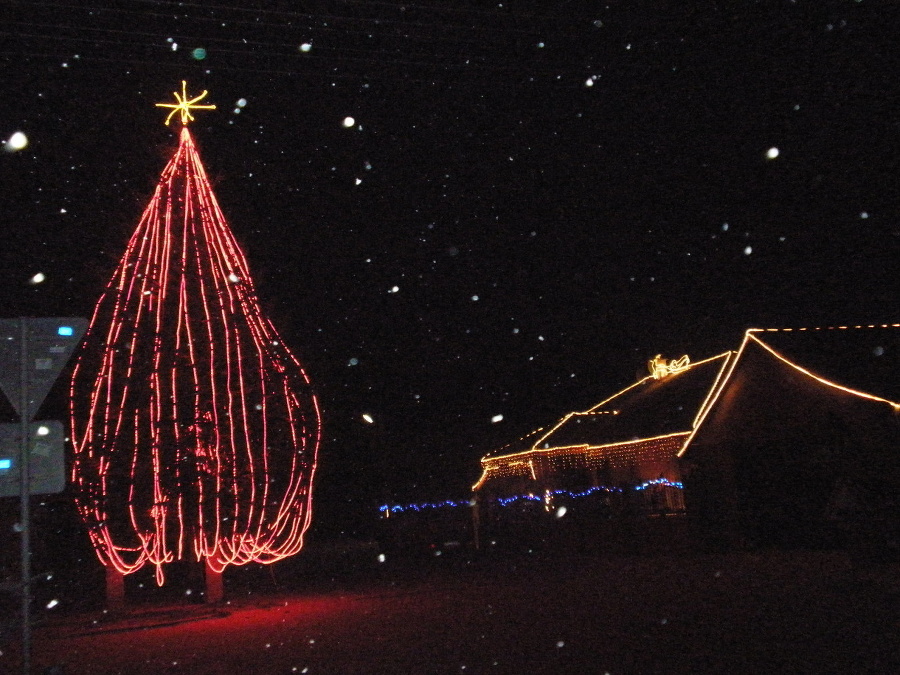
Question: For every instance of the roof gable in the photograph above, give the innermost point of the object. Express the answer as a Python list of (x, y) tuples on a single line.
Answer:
[(864, 357), (764, 393)]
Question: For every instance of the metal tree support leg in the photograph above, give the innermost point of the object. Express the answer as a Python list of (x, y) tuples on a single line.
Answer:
[(215, 590), (115, 588)]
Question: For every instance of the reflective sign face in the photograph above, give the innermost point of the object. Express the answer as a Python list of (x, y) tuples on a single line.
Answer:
[(49, 344), (46, 449)]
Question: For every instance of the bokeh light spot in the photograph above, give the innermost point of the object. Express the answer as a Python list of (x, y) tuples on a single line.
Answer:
[(17, 141)]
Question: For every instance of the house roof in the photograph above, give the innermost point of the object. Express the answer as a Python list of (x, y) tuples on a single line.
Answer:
[(865, 357), (859, 361), (817, 359), (653, 406), (650, 407)]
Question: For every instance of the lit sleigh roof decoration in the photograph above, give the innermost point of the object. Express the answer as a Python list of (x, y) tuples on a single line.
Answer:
[(195, 429)]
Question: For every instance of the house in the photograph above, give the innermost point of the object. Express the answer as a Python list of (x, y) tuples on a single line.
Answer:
[(788, 438)]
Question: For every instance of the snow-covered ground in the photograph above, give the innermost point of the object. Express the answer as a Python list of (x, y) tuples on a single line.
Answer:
[(524, 613)]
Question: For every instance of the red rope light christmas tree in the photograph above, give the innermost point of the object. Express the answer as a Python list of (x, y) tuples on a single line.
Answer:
[(195, 428)]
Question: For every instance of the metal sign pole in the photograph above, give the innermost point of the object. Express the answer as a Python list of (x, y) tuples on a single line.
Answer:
[(24, 494), (44, 346)]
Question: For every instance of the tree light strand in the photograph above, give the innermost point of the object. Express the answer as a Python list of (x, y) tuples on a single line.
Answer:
[(195, 429)]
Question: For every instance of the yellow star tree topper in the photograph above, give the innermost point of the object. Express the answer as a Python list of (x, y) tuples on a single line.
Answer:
[(184, 104)]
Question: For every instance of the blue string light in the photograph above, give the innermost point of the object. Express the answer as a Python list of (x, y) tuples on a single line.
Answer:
[(660, 481), (509, 500), (397, 508), (503, 501)]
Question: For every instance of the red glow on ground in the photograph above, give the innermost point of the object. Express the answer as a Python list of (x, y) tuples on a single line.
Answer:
[(730, 613)]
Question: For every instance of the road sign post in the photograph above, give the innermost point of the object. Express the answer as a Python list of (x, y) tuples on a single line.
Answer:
[(25, 496), (32, 354)]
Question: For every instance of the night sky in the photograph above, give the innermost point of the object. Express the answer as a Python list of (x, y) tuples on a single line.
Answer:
[(532, 199)]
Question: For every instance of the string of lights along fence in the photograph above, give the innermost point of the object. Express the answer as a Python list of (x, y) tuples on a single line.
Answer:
[(387, 509), (195, 428)]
